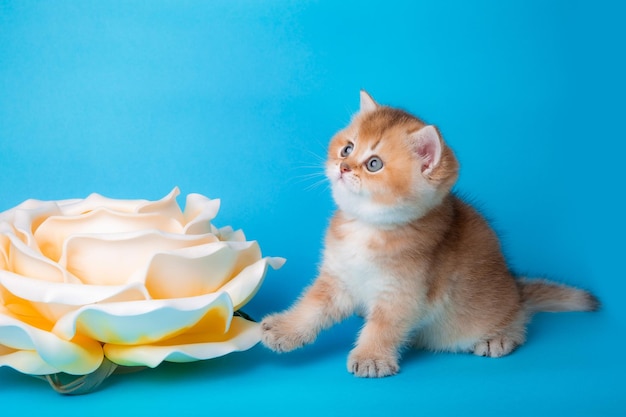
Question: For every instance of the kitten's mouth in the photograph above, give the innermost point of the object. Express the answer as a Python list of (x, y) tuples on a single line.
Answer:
[(346, 184), (344, 181), (341, 179)]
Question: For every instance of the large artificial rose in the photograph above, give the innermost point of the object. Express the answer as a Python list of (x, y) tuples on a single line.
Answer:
[(136, 282)]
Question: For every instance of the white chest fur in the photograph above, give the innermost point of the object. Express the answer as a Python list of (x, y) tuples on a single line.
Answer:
[(353, 263)]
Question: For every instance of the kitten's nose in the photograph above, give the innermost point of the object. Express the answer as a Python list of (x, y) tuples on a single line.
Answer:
[(344, 167)]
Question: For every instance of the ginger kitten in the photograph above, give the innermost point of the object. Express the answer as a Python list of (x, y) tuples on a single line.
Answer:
[(423, 267)]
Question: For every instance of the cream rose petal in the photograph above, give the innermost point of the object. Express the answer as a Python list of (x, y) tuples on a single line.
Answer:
[(79, 356), (228, 234), (112, 259), (242, 335), (167, 207), (4, 257), (53, 300), (55, 230), (25, 261), (199, 211), (25, 361), (246, 284), (28, 216), (71, 294), (94, 201), (139, 322), (199, 269)]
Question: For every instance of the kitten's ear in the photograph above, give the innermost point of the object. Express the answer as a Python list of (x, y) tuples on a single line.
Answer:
[(367, 103), (428, 145)]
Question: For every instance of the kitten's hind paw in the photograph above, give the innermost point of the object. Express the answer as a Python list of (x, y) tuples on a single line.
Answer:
[(280, 334), (496, 347), (372, 366)]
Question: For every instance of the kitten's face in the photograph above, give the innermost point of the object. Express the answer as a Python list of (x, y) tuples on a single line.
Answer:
[(385, 167)]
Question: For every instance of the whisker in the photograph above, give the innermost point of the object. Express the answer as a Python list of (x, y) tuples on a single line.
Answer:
[(307, 178), (313, 166), (315, 179), (316, 185), (319, 158), (310, 173)]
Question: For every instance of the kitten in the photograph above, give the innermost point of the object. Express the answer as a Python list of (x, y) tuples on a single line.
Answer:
[(423, 267)]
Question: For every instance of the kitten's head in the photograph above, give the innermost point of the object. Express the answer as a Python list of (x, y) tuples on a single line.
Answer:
[(387, 167)]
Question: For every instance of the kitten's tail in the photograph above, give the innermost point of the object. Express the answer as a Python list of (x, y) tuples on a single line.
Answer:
[(541, 295)]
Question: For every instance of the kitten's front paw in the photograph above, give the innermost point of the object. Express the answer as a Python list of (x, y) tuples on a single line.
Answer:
[(281, 334), (372, 366)]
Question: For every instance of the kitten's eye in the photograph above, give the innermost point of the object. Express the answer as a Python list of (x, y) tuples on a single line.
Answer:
[(347, 150), (374, 164)]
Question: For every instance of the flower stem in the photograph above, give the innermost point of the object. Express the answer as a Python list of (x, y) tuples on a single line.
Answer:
[(82, 384)]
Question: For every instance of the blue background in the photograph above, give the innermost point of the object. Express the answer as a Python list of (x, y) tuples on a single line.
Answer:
[(237, 100)]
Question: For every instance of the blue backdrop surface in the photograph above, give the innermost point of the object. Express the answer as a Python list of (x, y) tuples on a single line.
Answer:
[(237, 100)]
